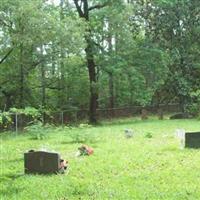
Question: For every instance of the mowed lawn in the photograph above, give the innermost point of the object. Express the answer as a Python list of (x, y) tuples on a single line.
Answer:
[(120, 168)]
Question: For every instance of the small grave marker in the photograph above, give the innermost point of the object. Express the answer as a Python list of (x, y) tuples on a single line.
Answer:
[(180, 134), (41, 162), (192, 139), (188, 139), (128, 133)]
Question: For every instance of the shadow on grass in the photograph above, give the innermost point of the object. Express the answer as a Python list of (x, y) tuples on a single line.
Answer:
[(11, 191), (72, 142), (9, 178), (133, 121), (5, 178), (169, 149), (14, 161), (80, 142), (127, 122)]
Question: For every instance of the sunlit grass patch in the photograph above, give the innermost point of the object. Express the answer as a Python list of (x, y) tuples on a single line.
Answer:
[(150, 165)]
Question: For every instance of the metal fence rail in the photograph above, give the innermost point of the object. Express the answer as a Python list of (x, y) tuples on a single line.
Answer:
[(73, 115)]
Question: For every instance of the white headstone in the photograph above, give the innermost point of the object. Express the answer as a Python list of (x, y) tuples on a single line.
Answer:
[(180, 134), (128, 133)]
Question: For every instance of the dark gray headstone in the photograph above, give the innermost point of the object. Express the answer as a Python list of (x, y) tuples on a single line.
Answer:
[(192, 139), (41, 162)]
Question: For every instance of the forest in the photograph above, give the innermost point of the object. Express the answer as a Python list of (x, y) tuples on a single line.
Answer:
[(58, 55), (99, 99)]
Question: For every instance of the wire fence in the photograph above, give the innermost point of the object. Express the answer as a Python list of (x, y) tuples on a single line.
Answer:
[(66, 117)]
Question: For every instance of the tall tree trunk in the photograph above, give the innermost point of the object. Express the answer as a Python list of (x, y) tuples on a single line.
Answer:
[(43, 85), (93, 82), (43, 81), (111, 94), (83, 10), (8, 99), (111, 89), (53, 63), (62, 65), (21, 98), (110, 73)]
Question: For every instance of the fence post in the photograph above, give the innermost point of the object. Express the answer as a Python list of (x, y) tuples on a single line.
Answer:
[(62, 120), (76, 115), (16, 122)]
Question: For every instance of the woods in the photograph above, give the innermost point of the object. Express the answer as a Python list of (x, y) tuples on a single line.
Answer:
[(84, 54), (99, 99)]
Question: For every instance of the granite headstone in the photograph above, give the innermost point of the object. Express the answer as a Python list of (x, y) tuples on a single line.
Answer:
[(41, 162)]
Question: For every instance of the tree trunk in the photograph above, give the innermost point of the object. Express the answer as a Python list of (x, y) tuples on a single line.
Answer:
[(182, 101), (111, 89), (43, 81), (21, 93), (93, 83), (110, 73), (8, 99), (83, 11), (62, 65), (53, 63)]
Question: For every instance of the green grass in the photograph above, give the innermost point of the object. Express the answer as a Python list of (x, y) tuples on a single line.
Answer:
[(137, 168)]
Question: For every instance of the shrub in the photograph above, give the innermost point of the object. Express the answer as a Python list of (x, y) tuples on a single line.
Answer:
[(83, 135), (194, 107), (28, 111), (38, 131), (85, 126), (5, 120), (148, 135), (79, 136)]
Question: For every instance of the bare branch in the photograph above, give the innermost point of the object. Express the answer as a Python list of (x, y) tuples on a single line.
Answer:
[(6, 56), (98, 6), (78, 7)]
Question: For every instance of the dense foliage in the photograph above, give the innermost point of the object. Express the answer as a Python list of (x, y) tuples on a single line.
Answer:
[(89, 54)]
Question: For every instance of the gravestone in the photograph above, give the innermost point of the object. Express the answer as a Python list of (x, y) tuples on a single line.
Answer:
[(192, 139), (128, 133), (41, 162), (180, 134), (188, 139)]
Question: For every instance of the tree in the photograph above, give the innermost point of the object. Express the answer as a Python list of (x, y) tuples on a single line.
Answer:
[(173, 25), (118, 53), (84, 10)]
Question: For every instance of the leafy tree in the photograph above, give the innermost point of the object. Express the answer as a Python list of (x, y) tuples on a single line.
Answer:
[(174, 26), (94, 54)]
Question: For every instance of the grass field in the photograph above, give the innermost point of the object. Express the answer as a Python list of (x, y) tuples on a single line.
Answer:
[(125, 169)]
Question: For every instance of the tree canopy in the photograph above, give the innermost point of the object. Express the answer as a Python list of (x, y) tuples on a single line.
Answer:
[(90, 54)]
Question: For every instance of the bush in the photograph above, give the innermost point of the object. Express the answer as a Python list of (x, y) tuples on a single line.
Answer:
[(5, 120), (38, 131), (28, 111), (85, 126), (194, 107), (80, 136), (148, 135), (83, 134)]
